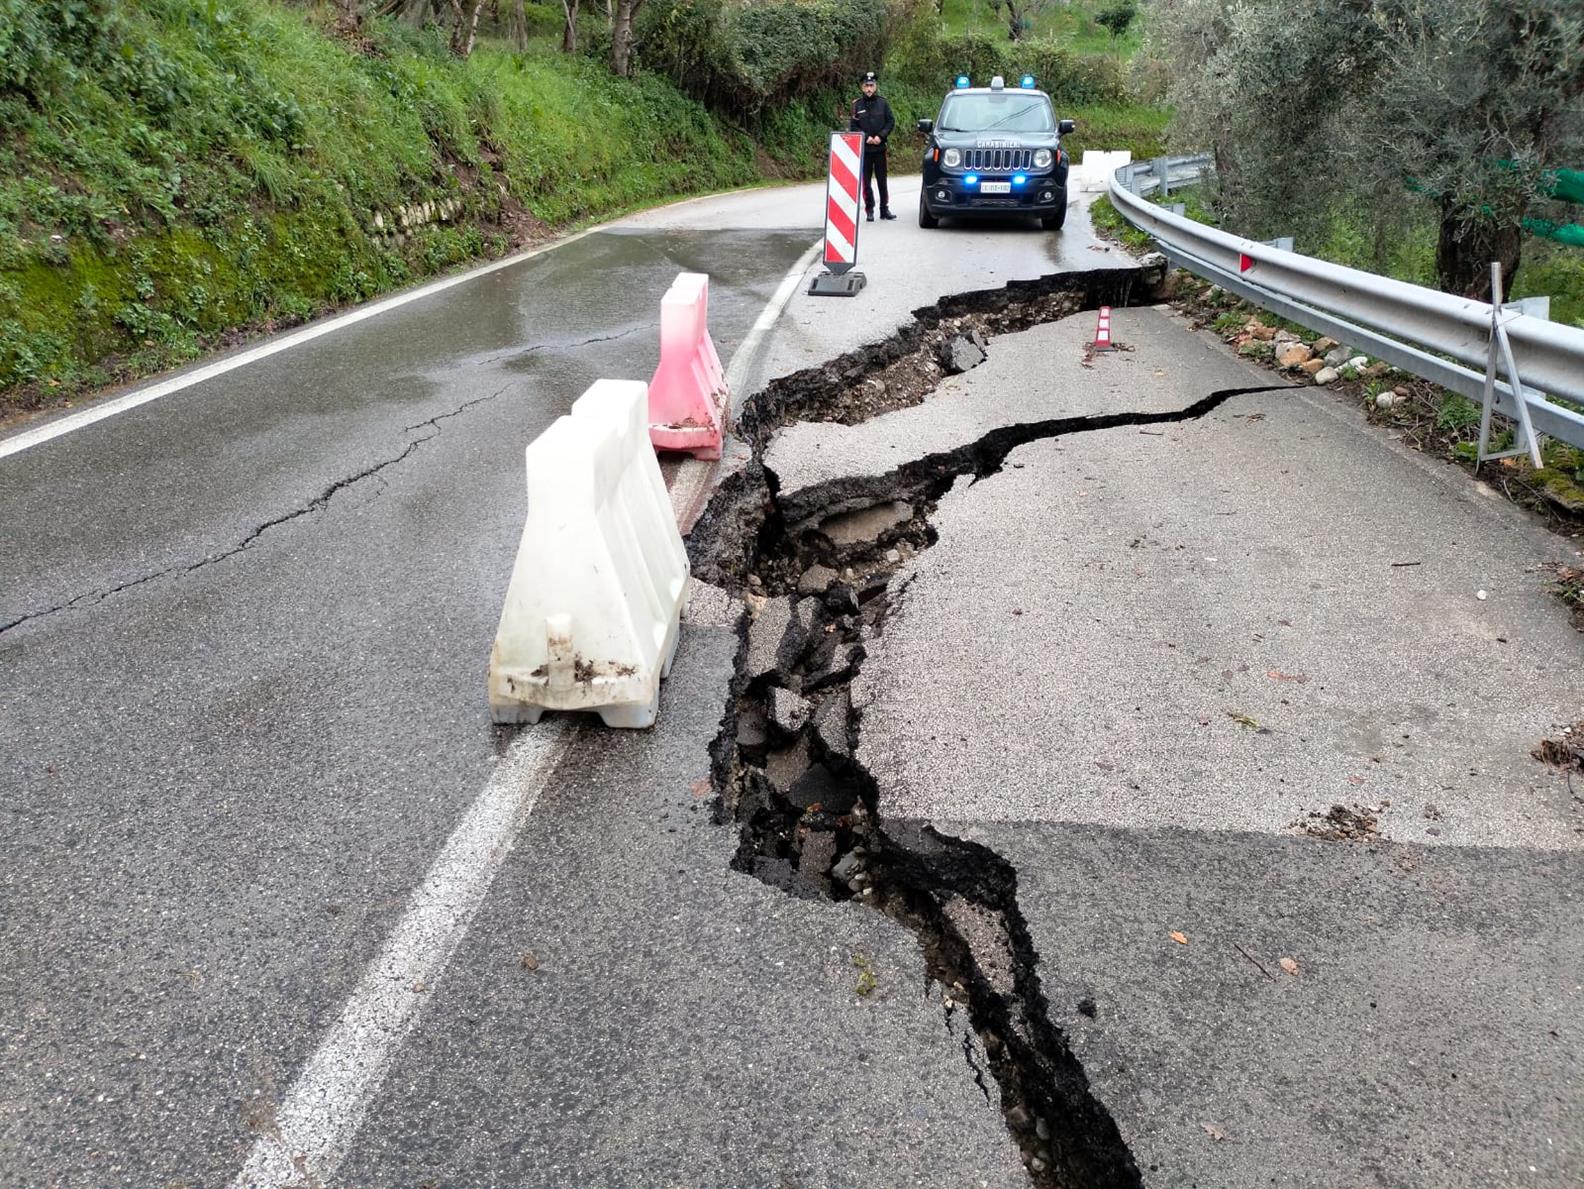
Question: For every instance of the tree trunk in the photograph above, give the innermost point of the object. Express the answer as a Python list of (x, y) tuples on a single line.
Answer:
[(569, 10), (1465, 249), (622, 37), (414, 12), (1016, 14), (465, 32), (517, 24)]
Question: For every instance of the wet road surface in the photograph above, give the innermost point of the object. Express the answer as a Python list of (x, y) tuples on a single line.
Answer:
[(234, 754)]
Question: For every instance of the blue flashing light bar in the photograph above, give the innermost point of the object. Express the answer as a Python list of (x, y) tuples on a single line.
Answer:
[(1027, 82), (962, 80), (1019, 178), (971, 180)]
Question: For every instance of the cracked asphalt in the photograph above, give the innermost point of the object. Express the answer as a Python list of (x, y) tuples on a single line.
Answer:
[(237, 751), (243, 632)]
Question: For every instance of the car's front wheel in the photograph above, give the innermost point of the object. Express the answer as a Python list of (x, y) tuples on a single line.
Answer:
[(1054, 222), (926, 219)]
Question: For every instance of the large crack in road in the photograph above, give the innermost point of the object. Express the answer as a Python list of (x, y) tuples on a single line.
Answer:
[(817, 572)]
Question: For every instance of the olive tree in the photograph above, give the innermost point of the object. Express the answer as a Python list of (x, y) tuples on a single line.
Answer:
[(1116, 18), (1382, 110)]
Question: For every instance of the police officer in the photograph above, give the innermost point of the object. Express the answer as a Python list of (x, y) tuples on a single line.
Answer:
[(871, 115)]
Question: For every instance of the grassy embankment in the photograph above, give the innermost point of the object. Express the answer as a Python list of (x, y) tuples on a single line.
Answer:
[(180, 168)]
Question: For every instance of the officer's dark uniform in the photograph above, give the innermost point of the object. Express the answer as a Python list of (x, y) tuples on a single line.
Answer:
[(872, 116)]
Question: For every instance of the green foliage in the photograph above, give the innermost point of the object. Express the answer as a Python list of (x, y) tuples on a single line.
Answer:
[(1556, 270), (1457, 414), (928, 57), (1074, 24), (1109, 220), (172, 169), (1137, 127), (1117, 18), (745, 59), (1335, 115)]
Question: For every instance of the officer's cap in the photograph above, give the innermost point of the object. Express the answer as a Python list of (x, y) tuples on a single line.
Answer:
[(870, 77)]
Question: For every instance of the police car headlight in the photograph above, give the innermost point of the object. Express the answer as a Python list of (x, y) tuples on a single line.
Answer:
[(952, 159), (1042, 158)]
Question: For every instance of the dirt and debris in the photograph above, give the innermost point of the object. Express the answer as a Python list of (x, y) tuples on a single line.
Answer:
[(900, 370), (1566, 751), (1344, 823), (1567, 584)]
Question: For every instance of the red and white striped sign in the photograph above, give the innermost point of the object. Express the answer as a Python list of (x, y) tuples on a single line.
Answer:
[(1103, 330), (841, 201)]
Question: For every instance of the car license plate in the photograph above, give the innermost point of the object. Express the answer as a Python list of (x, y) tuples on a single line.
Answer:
[(996, 188)]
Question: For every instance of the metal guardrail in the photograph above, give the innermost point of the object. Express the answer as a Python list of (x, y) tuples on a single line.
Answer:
[(1435, 335)]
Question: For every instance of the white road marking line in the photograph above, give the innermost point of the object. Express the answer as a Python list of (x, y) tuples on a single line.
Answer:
[(142, 396), (326, 1104), (742, 360)]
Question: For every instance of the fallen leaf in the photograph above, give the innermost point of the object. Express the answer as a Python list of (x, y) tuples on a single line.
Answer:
[(1355, 780), (1179, 938), (700, 787), (528, 961), (1242, 720), (1213, 1132), (1289, 966), (1278, 675)]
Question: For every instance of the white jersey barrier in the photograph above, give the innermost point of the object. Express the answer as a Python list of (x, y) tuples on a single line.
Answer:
[(595, 600), (1097, 167), (688, 398)]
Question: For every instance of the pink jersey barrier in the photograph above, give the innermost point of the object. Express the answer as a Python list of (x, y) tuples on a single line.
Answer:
[(688, 399)]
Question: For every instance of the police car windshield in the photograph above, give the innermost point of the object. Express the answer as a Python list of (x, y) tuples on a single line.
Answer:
[(1005, 112)]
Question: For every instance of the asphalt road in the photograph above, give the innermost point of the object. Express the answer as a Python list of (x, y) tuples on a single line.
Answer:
[(244, 707), (242, 696)]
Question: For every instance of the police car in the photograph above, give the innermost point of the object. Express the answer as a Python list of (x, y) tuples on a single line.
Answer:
[(994, 150)]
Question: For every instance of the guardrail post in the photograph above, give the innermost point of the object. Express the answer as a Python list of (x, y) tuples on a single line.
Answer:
[(1162, 168), (1526, 442)]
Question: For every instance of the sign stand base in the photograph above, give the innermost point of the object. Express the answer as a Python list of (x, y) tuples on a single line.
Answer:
[(831, 285)]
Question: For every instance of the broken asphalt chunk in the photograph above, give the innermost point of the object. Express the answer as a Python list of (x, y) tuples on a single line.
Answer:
[(765, 635), (866, 524), (788, 711), (962, 352), (830, 723)]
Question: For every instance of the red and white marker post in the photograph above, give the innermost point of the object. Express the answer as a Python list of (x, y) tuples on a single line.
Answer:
[(1102, 339), (843, 182)]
